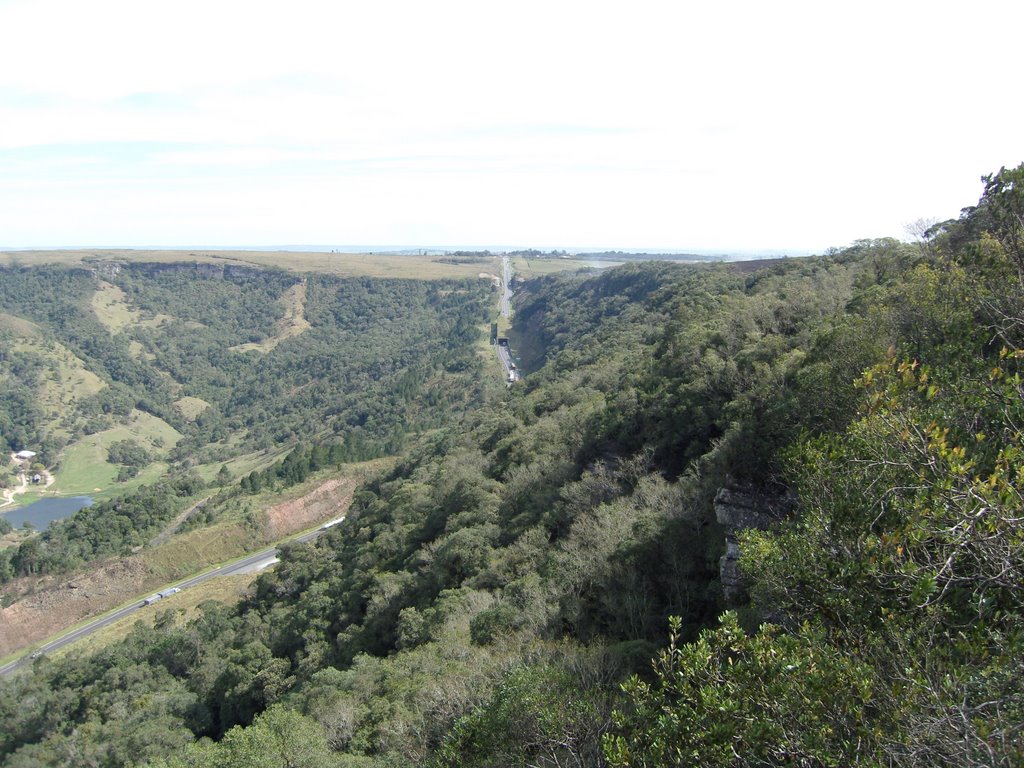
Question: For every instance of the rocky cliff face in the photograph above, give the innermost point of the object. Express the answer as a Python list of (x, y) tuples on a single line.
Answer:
[(737, 509), (214, 270)]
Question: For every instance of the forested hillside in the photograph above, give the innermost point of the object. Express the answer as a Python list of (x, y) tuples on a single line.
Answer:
[(371, 355), (498, 597), (238, 364)]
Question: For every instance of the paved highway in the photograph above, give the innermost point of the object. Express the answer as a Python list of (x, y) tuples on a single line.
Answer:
[(506, 290), (252, 562), (504, 354)]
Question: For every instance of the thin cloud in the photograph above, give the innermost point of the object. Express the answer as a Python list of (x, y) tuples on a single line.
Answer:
[(791, 124)]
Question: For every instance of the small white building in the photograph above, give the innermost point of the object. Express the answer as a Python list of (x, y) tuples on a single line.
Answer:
[(25, 455)]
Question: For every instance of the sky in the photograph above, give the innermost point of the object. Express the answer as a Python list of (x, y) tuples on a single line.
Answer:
[(722, 126)]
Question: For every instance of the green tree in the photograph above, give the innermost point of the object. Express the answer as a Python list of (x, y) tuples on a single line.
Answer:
[(539, 715), (1003, 201), (730, 699), (278, 738), (908, 553), (224, 476)]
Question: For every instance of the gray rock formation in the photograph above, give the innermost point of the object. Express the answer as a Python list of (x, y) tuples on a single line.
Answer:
[(738, 509)]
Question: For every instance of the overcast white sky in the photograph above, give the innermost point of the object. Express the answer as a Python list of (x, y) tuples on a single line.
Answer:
[(703, 125)]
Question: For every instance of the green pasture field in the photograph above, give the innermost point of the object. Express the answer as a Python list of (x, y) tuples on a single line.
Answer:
[(84, 467), (527, 267)]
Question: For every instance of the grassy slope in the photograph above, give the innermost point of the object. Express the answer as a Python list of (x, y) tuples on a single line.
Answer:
[(242, 527), (190, 407), (113, 308), (244, 464), (66, 383), (292, 323), (84, 468), (19, 326), (227, 589), (84, 465)]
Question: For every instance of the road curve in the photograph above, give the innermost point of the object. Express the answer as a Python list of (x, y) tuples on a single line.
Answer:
[(250, 562)]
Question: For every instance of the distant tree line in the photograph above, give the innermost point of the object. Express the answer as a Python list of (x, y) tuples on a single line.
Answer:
[(298, 465)]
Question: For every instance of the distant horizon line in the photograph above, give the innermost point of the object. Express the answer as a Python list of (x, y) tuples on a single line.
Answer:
[(429, 249)]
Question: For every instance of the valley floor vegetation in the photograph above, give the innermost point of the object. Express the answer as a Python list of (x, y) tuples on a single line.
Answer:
[(539, 582), (152, 380)]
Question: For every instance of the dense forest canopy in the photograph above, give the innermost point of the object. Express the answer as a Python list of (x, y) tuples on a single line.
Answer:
[(848, 426), (375, 355)]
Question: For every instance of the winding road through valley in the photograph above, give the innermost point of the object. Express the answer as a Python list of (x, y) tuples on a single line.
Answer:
[(251, 562)]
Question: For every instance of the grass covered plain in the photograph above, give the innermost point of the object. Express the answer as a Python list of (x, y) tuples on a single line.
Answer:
[(409, 266)]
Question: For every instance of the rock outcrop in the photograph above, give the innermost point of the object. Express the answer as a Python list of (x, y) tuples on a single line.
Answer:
[(738, 509)]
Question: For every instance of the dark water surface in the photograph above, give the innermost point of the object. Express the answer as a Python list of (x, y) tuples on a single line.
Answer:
[(43, 512)]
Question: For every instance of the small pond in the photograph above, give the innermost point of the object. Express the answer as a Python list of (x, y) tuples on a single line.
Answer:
[(43, 512)]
